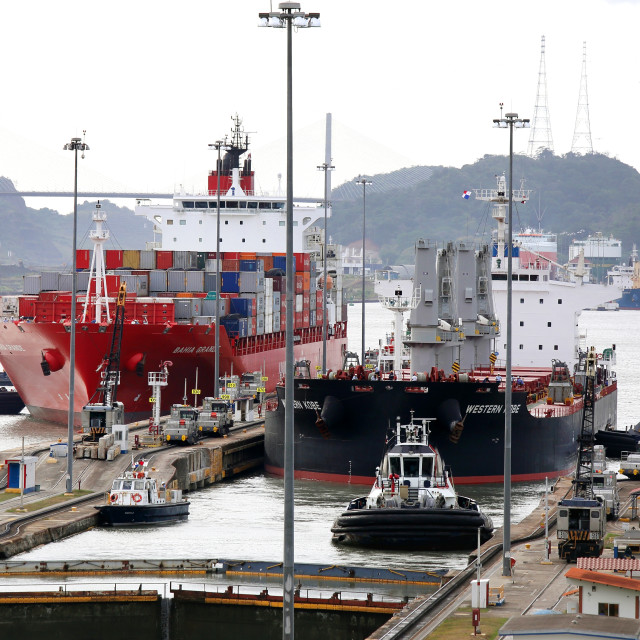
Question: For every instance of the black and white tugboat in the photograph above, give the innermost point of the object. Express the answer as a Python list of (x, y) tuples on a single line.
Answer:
[(413, 503), (135, 499)]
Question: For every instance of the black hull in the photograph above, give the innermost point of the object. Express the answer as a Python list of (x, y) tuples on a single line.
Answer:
[(414, 529), (122, 516), (10, 402), (615, 442), (347, 444)]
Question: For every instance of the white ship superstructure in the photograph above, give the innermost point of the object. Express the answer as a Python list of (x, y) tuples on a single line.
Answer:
[(547, 299)]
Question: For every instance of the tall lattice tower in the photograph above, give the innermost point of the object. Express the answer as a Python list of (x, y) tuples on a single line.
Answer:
[(540, 137), (582, 131)]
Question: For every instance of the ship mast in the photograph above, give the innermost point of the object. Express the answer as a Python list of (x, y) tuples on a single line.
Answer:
[(500, 200), (98, 270)]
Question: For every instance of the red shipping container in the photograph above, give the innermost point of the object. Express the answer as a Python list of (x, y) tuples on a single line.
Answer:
[(283, 323), (319, 299), (303, 262), (247, 256), (297, 322), (299, 284), (305, 301), (318, 317), (83, 258), (164, 259), (211, 255), (231, 255), (229, 264), (306, 281), (251, 326), (305, 318), (113, 258)]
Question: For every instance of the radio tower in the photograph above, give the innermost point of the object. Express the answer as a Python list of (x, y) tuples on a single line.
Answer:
[(582, 132), (540, 137)]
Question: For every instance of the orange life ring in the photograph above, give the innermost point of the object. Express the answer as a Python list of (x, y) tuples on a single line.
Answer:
[(113, 497), (136, 497)]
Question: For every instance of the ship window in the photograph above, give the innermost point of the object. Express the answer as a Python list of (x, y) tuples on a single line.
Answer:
[(138, 485), (241, 221), (427, 466), (199, 239), (175, 239), (555, 347), (183, 222), (263, 240), (187, 204), (264, 223), (252, 205), (541, 300), (521, 347), (264, 205), (548, 324), (539, 347), (169, 221), (243, 240), (559, 300), (116, 485), (203, 205), (277, 205), (282, 223), (226, 222), (411, 467), (199, 221), (521, 300), (394, 465), (126, 484), (306, 220), (241, 205), (522, 323)]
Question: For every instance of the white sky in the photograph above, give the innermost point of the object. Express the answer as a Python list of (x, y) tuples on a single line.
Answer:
[(416, 82)]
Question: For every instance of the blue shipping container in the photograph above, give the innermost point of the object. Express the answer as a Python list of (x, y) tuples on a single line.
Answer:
[(230, 282), (243, 306)]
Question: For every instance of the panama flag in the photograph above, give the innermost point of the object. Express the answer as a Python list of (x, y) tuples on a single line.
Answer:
[(466, 194)]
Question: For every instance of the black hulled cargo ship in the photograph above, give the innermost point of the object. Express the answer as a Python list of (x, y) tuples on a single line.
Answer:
[(453, 337)]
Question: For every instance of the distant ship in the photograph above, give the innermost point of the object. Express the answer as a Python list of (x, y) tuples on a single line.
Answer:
[(170, 310), (457, 373)]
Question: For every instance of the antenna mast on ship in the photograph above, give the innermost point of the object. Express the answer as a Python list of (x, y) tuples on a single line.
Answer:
[(97, 272), (500, 201)]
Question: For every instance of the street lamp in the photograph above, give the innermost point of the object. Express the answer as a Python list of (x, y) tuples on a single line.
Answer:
[(289, 16), (364, 184), (509, 121), (326, 167), (217, 145), (75, 145)]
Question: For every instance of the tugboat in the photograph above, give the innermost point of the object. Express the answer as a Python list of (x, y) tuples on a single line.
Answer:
[(413, 503), (135, 499)]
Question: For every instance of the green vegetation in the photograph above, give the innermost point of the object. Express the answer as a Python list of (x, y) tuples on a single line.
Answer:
[(459, 626), (574, 195), (48, 502)]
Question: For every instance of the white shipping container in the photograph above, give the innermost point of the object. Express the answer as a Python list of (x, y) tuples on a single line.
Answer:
[(260, 325), (147, 259), (268, 323), (32, 284), (176, 280), (268, 286), (50, 280), (157, 280), (212, 264), (299, 302), (195, 281)]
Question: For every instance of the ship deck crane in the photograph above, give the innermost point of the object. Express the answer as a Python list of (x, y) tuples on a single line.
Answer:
[(581, 518)]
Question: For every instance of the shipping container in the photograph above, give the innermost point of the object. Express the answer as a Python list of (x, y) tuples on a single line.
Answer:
[(27, 306), (302, 262), (196, 307), (260, 325), (195, 281), (230, 265), (299, 284), (113, 258), (182, 308), (248, 265), (299, 303), (164, 259), (147, 260), (83, 258), (244, 306), (210, 281), (131, 258), (202, 320), (251, 282), (230, 282), (49, 281), (176, 279), (31, 284), (212, 264)]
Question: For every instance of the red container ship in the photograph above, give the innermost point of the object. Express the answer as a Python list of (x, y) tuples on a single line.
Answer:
[(170, 310)]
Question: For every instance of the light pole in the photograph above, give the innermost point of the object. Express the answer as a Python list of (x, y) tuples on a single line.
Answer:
[(289, 16), (326, 167), (217, 145), (364, 184), (509, 121), (75, 145)]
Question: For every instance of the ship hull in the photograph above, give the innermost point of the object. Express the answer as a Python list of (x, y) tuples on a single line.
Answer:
[(347, 443), (189, 348), (411, 529), (630, 300), (127, 516)]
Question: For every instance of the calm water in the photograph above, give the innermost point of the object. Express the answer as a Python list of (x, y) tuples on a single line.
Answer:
[(243, 519)]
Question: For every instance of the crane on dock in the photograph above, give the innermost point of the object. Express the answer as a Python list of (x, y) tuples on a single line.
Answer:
[(581, 518)]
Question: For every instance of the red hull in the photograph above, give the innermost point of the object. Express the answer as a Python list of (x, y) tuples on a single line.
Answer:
[(188, 347)]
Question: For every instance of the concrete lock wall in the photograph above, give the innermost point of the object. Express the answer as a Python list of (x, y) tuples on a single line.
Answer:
[(174, 620)]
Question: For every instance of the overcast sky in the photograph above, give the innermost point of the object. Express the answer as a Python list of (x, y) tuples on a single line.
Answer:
[(409, 83)]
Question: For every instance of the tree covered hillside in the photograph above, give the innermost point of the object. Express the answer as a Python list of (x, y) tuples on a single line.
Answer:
[(573, 195)]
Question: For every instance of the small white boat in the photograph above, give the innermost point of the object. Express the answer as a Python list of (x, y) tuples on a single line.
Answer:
[(135, 499)]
